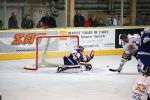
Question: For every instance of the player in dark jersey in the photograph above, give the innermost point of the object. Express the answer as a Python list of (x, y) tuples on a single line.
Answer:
[(144, 48)]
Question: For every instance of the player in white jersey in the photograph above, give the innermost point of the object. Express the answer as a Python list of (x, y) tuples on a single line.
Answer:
[(141, 88), (136, 38), (130, 47)]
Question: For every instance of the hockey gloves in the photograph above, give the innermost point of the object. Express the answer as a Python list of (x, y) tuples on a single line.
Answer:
[(90, 56)]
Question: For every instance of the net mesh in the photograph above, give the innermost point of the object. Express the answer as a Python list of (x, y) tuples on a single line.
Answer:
[(50, 47)]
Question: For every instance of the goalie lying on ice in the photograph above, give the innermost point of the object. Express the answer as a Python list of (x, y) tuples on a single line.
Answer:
[(76, 60)]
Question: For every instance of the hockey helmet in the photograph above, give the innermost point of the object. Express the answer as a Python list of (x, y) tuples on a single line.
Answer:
[(123, 36), (147, 30), (81, 48)]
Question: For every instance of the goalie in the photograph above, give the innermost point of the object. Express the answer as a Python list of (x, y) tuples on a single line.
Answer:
[(76, 59)]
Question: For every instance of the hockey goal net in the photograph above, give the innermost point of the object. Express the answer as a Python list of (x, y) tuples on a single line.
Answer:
[(48, 47)]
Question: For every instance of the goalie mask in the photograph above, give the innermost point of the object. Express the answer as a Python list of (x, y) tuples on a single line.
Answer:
[(81, 48)]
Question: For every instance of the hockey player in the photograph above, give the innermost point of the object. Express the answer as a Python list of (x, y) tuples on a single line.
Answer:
[(144, 48), (141, 88), (76, 59), (130, 47)]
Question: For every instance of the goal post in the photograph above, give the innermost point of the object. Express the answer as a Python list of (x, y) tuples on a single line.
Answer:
[(48, 46)]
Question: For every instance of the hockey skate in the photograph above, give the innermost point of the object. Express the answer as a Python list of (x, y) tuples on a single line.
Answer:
[(119, 69), (59, 69), (139, 69)]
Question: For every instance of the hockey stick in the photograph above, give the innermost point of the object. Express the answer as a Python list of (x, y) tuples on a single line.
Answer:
[(111, 69)]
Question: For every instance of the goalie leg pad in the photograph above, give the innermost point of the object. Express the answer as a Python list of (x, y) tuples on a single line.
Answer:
[(64, 68), (68, 61)]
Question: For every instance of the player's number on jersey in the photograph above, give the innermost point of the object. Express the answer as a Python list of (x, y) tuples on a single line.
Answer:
[(141, 88)]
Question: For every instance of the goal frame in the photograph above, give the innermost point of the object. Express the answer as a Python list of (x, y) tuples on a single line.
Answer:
[(37, 47)]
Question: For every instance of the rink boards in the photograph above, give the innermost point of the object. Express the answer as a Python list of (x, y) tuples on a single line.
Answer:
[(20, 44)]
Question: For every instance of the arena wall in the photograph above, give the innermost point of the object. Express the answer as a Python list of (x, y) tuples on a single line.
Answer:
[(20, 44)]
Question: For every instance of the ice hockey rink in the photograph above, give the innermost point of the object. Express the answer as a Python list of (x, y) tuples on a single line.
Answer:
[(17, 83)]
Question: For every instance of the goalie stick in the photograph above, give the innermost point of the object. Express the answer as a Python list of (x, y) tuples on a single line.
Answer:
[(62, 68), (88, 66), (67, 67)]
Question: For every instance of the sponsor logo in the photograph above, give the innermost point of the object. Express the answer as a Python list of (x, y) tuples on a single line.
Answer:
[(22, 38)]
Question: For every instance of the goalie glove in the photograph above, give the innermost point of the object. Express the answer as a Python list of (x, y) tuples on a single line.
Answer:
[(90, 56), (88, 67)]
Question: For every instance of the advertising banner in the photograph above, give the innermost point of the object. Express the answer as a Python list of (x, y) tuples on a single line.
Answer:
[(95, 39), (22, 41), (127, 32)]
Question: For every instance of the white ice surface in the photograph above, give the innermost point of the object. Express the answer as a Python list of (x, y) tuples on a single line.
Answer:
[(45, 84)]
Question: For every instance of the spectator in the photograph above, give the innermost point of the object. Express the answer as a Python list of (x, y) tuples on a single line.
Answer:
[(40, 25), (146, 20), (1, 25), (101, 23), (23, 21), (115, 21), (108, 21), (93, 21), (140, 19), (86, 22), (78, 20), (12, 22), (27, 22), (49, 21)]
